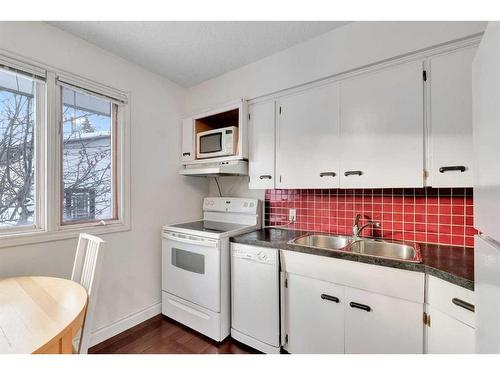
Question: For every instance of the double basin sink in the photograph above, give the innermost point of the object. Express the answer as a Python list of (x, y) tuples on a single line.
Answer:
[(362, 246)]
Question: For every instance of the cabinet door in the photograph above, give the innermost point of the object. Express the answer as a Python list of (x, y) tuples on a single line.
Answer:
[(187, 144), (261, 143), (486, 110), (307, 139), (447, 335), (450, 122), (314, 314), (381, 324), (382, 128)]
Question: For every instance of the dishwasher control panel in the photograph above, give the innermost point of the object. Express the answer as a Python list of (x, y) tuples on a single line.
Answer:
[(256, 254)]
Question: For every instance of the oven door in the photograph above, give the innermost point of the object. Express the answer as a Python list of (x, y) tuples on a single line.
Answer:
[(191, 269)]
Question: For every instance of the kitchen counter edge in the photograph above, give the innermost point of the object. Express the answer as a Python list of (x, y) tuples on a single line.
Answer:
[(454, 264)]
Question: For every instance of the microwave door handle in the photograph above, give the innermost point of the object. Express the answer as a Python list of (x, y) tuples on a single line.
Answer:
[(193, 240)]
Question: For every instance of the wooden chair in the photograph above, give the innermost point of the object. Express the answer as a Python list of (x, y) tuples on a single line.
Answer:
[(87, 271)]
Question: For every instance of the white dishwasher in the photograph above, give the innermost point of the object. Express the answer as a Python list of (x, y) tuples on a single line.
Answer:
[(255, 297)]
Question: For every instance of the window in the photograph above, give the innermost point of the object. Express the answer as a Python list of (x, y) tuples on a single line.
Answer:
[(88, 157), (64, 163), (18, 171)]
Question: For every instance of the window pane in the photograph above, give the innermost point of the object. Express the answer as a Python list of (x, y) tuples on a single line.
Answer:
[(17, 160), (87, 157)]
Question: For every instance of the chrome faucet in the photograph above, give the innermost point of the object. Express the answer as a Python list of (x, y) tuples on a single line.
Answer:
[(356, 229)]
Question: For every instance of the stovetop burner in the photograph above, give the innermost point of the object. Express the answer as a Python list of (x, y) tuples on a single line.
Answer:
[(209, 226)]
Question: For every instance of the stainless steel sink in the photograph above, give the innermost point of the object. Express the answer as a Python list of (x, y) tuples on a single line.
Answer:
[(362, 246), (386, 249), (323, 241)]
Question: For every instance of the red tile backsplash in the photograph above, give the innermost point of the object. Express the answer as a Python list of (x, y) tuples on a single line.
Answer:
[(430, 215)]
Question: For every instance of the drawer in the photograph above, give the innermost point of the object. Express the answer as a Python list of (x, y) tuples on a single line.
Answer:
[(449, 299), (196, 317), (392, 282)]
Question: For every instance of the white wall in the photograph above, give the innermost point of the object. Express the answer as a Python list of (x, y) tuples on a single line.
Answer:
[(352, 46), (131, 272)]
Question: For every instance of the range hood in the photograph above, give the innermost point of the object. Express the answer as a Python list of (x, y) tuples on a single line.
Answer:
[(220, 168)]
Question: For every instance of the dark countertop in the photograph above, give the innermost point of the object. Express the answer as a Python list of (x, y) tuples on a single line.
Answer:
[(451, 263)]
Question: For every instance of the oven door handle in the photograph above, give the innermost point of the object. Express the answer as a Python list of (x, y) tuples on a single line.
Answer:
[(193, 240)]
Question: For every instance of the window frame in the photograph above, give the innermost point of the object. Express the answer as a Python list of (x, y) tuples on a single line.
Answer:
[(119, 143), (39, 98), (48, 184), (116, 114)]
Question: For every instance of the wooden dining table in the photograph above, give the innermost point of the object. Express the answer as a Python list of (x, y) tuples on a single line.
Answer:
[(40, 314)]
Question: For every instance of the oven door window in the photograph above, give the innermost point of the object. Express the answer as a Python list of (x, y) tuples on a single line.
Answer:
[(189, 261), (211, 143)]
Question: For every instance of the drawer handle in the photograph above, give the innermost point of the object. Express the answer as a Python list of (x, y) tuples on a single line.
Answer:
[(265, 176), (463, 304), (330, 298), (360, 306), (460, 168), (353, 173), (186, 154), (324, 174)]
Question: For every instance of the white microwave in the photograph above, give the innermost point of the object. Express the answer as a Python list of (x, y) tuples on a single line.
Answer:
[(217, 142)]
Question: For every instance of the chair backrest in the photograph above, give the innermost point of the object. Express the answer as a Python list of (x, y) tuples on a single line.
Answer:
[(86, 271)]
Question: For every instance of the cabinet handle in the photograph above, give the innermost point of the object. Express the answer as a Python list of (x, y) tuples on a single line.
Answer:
[(360, 306), (186, 154), (324, 174), (330, 298), (353, 173), (463, 304), (460, 168), (265, 176)]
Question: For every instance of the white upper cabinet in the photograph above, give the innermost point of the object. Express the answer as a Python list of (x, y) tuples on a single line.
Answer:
[(450, 119), (187, 144), (308, 139), (261, 137), (368, 130), (382, 128), (223, 132)]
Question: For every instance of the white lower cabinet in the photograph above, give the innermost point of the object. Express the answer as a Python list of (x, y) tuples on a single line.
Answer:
[(375, 323), (450, 318), (447, 335), (323, 317), (314, 316), (331, 305)]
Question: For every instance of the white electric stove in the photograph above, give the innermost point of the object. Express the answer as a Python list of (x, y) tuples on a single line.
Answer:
[(196, 264)]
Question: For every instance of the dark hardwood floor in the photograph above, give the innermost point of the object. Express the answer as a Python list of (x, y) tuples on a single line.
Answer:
[(161, 335)]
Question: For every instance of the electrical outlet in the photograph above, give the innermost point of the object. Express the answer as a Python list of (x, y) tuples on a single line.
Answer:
[(292, 215)]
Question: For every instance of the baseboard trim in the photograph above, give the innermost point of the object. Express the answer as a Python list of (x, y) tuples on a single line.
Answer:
[(125, 323)]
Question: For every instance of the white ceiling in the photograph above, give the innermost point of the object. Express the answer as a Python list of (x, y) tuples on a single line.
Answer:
[(192, 52)]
